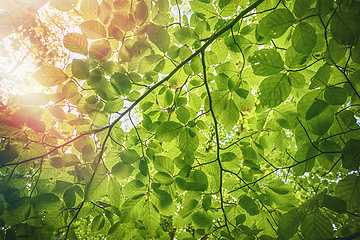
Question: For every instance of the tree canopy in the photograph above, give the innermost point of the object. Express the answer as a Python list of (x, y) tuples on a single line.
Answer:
[(203, 119)]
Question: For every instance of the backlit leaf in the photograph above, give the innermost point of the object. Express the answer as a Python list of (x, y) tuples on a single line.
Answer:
[(316, 226), (167, 131), (141, 13), (50, 76), (304, 38), (274, 90), (76, 42), (163, 164), (344, 27), (99, 49), (80, 69), (93, 29), (186, 36), (320, 117), (266, 62), (249, 205), (348, 189), (351, 154), (188, 141), (202, 219), (57, 112), (89, 9), (275, 24)]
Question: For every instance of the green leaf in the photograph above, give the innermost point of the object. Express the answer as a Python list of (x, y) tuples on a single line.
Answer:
[(8, 155), (326, 159), (319, 117), (114, 192), (122, 83), (274, 90), (301, 7), (188, 141), (335, 204), (294, 59), (97, 188), (289, 224), (248, 204), (129, 156), (351, 155), (194, 101), (93, 29), (344, 27), (296, 79), (163, 164), (316, 226), (279, 187), (134, 188), (321, 77), (63, 6), (131, 208), (122, 170), (335, 95), (167, 131), (230, 115), (17, 212), (57, 112), (182, 114), (240, 219), (151, 217), (189, 206), (50, 76), (45, 201), (143, 167), (88, 153), (76, 42), (206, 202), (163, 178), (69, 197), (200, 181), (324, 7), (304, 38), (266, 62), (335, 52), (166, 98), (228, 157), (202, 219), (159, 36), (348, 189), (80, 69), (95, 224), (355, 54), (164, 198), (275, 24), (148, 63), (89, 9), (186, 36), (205, 9), (306, 101), (219, 101)]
